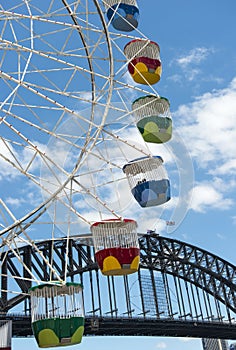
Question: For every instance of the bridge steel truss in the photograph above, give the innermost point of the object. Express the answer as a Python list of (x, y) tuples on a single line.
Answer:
[(179, 290)]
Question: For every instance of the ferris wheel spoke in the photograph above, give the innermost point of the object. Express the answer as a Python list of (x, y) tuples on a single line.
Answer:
[(49, 56), (67, 124), (14, 248)]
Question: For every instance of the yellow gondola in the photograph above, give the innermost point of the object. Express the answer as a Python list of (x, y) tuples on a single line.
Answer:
[(144, 61)]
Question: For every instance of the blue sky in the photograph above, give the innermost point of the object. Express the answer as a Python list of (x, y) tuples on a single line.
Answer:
[(198, 54)]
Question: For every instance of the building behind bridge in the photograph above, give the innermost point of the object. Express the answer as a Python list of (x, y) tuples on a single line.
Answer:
[(214, 344)]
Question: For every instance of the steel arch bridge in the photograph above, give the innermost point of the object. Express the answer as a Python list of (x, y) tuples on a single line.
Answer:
[(179, 290)]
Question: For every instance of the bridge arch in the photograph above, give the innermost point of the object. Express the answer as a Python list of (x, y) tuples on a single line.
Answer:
[(203, 269), (179, 290)]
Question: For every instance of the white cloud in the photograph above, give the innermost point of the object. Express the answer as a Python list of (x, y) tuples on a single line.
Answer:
[(195, 56), (86, 96), (15, 159), (208, 126), (15, 202), (205, 196), (190, 63), (220, 236), (177, 78), (229, 167), (6, 157), (161, 345)]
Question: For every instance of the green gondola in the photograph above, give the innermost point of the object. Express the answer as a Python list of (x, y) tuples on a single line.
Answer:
[(57, 314), (153, 118)]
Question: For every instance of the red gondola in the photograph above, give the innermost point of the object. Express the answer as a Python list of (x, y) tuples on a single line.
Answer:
[(116, 246)]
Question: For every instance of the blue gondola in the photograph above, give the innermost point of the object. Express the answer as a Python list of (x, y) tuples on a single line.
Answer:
[(123, 15), (148, 181)]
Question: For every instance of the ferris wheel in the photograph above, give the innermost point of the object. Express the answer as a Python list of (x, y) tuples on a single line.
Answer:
[(82, 130), (76, 80)]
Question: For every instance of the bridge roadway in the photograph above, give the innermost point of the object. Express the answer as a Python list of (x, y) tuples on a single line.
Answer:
[(108, 326), (180, 290)]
